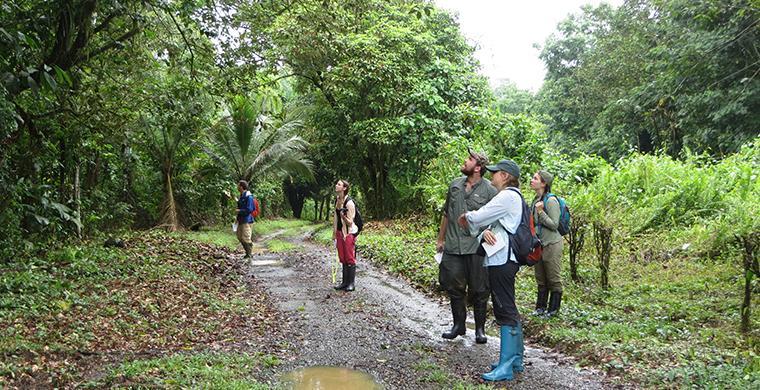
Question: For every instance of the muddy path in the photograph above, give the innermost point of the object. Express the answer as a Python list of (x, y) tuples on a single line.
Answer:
[(387, 329)]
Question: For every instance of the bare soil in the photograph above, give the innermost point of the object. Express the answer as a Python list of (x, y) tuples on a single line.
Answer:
[(388, 329)]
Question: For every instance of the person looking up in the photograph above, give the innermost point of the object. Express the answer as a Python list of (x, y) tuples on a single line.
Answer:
[(461, 272), (344, 234)]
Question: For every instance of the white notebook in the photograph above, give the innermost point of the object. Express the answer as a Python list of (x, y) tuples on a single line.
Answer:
[(491, 249)]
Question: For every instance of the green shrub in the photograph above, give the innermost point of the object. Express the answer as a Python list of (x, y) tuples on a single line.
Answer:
[(204, 370)]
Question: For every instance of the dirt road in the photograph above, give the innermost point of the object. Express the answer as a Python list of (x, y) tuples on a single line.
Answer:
[(388, 330)]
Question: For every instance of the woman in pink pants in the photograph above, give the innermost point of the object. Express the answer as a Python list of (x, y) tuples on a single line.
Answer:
[(344, 234)]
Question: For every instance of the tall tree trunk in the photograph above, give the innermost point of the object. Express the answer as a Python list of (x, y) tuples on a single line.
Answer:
[(93, 172), (223, 209), (377, 201), (751, 270), (295, 194), (603, 241), (645, 141), (62, 171), (78, 198), (169, 210)]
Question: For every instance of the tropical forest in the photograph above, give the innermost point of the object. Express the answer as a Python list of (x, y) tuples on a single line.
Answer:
[(174, 173)]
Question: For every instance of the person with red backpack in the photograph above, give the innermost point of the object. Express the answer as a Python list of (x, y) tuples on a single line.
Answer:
[(503, 216), (245, 207), (546, 213)]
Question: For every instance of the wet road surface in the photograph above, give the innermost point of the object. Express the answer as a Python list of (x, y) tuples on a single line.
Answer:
[(389, 330)]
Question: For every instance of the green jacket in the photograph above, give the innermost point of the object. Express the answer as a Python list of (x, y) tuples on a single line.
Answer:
[(547, 221), (458, 202)]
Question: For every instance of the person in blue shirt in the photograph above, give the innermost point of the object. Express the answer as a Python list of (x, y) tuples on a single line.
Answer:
[(501, 216), (244, 219)]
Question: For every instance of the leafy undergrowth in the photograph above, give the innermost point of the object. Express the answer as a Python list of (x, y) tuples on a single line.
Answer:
[(402, 247), (217, 236), (670, 319), (282, 228), (203, 370), (65, 315), (290, 227), (280, 246), (405, 248)]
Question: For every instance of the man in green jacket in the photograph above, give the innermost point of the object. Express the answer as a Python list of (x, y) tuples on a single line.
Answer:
[(461, 272)]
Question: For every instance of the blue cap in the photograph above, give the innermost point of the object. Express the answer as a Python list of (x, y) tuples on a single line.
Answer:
[(507, 166)]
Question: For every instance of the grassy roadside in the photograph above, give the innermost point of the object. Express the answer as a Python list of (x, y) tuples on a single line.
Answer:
[(279, 229), (671, 321), (201, 370), (89, 316)]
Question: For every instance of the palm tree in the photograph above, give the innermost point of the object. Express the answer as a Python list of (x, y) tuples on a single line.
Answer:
[(258, 140), (169, 128), (164, 145)]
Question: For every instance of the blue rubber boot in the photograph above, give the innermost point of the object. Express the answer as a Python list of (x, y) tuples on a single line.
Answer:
[(511, 338), (517, 364)]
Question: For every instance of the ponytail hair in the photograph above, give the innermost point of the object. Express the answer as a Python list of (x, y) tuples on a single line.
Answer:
[(512, 181)]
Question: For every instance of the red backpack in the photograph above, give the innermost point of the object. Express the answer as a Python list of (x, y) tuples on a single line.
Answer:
[(524, 242), (255, 213)]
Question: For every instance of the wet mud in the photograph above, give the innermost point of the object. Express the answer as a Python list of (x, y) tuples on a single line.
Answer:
[(388, 330)]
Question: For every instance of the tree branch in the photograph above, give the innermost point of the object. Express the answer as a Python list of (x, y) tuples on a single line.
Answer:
[(189, 46), (117, 42)]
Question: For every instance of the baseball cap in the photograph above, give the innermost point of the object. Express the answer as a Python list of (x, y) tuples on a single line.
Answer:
[(507, 166)]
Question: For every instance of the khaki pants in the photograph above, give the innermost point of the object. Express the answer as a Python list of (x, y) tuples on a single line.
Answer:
[(549, 269), (244, 233)]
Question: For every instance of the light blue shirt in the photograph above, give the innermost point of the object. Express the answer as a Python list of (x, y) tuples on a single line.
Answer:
[(501, 215)]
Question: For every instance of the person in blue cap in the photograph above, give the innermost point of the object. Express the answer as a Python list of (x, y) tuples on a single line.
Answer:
[(501, 216)]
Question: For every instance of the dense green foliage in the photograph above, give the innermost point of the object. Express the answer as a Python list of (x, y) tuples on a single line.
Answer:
[(675, 279), (389, 79), (118, 115), (655, 75)]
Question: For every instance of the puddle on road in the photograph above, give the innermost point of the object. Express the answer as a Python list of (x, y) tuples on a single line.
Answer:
[(323, 378), (264, 262)]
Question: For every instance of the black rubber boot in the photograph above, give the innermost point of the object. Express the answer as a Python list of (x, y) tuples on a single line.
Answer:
[(248, 249), (554, 302), (480, 323), (459, 312), (541, 298), (343, 280), (351, 274)]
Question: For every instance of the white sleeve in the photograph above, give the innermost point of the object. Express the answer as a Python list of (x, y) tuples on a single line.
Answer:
[(488, 214)]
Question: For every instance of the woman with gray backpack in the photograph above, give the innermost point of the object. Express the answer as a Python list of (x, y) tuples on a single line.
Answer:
[(546, 209)]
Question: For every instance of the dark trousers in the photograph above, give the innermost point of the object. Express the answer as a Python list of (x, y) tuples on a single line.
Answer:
[(464, 275), (502, 279)]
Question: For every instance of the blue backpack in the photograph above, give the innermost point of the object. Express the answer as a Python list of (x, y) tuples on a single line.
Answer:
[(564, 214)]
